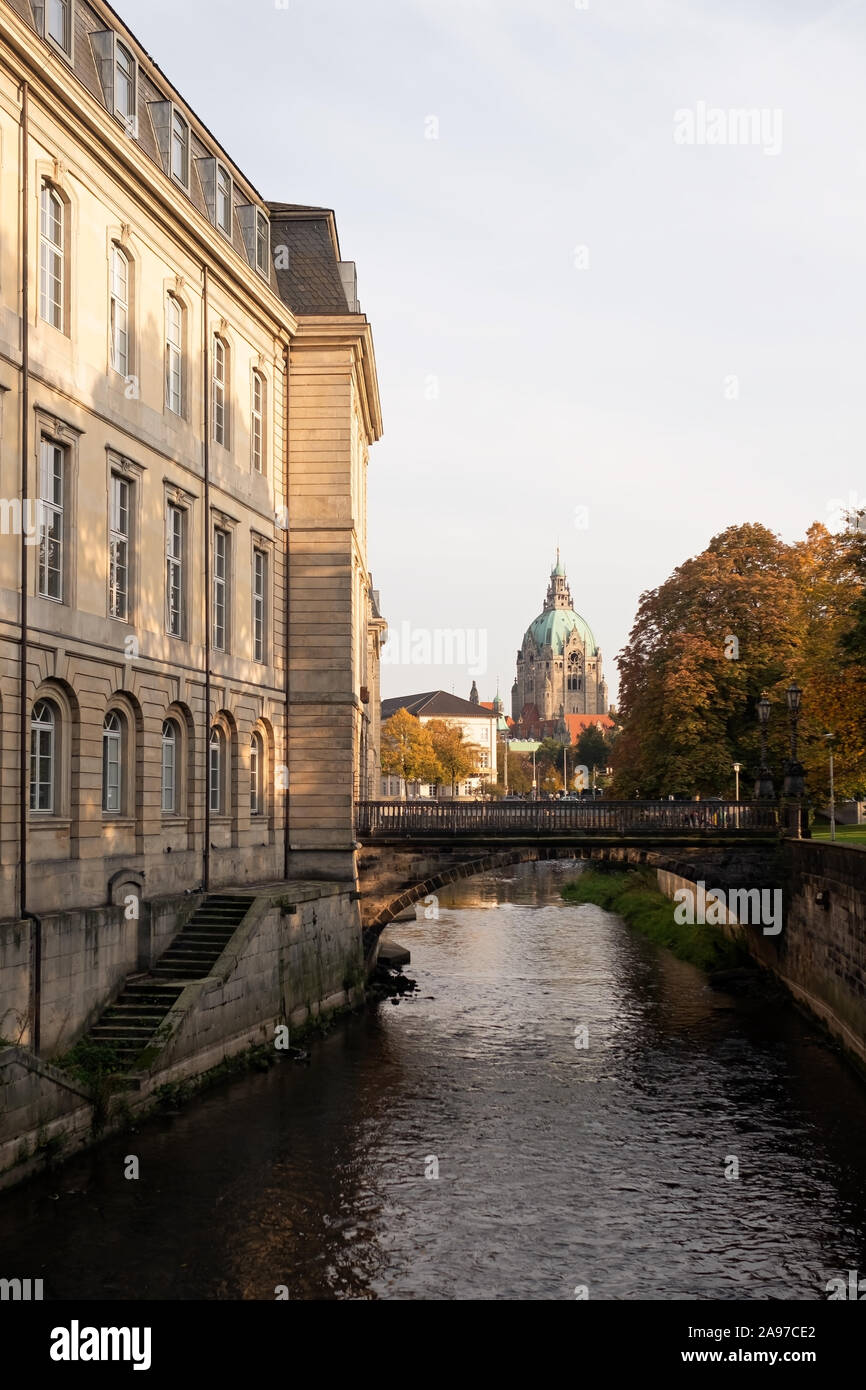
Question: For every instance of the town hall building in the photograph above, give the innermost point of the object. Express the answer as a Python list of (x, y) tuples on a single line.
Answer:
[(559, 668)]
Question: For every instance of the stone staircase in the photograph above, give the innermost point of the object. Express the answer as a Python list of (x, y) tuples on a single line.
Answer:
[(127, 1025)]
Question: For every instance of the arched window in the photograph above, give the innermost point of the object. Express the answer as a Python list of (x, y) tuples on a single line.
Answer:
[(119, 311), (174, 367), (220, 377), (217, 772), (257, 767), (43, 749), (112, 762), (52, 252), (258, 421), (169, 767)]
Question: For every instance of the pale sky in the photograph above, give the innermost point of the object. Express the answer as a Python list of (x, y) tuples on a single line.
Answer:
[(587, 333)]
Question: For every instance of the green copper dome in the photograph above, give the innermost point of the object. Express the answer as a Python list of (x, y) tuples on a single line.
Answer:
[(553, 628)]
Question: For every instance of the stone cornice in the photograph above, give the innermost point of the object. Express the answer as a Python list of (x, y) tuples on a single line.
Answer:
[(351, 331)]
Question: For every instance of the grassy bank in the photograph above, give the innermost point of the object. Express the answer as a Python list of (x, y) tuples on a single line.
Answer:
[(635, 895)]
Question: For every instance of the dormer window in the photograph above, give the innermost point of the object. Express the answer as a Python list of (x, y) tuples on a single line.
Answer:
[(179, 149), (224, 200), (57, 24), (263, 237), (124, 86)]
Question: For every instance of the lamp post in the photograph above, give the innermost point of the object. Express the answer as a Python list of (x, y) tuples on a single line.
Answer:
[(829, 738), (764, 789), (534, 783), (737, 770), (794, 785)]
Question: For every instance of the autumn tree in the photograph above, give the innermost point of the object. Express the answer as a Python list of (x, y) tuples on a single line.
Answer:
[(407, 750), (456, 758), (747, 614)]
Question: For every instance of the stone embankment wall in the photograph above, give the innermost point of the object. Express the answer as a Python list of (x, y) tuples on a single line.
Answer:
[(296, 955), (86, 955), (820, 953)]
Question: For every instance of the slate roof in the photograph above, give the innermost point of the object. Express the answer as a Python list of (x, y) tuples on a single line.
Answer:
[(434, 704), (311, 283)]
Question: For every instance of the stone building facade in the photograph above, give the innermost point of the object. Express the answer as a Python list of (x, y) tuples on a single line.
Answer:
[(559, 665), (189, 638)]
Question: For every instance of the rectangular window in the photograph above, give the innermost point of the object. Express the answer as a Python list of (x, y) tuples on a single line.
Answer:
[(124, 87), (179, 149), (118, 556), (58, 23), (174, 575), (52, 216), (119, 311), (224, 200), (174, 355), (258, 422), (260, 574), (262, 240), (52, 462), (220, 587), (220, 423)]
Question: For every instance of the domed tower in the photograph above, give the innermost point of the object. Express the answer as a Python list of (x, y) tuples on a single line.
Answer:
[(559, 666)]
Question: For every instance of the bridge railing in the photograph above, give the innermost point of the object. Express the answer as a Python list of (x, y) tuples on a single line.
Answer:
[(651, 818)]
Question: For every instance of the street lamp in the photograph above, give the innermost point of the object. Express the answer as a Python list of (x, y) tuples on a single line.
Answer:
[(830, 738), (737, 770), (794, 785), (764, 789)]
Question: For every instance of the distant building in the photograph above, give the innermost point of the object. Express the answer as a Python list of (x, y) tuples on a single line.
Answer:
[(477, 721), (559, 669)]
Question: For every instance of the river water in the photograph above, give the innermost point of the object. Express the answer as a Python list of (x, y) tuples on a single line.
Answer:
[(559, 1167)]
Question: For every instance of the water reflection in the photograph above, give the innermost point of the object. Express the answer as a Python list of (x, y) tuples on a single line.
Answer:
[(557, 1165)]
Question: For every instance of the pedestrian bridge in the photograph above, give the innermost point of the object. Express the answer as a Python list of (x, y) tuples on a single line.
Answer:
[(411, 849), (380, 822)]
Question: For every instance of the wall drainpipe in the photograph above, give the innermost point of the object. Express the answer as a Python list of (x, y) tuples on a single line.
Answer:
[(207, 592), (23, 731), (287, 800)]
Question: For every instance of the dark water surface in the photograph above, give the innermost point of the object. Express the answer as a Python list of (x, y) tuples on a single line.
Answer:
[(558, 1167)]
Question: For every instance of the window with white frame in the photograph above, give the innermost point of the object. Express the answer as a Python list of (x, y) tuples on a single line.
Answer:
[(43, 749), (179, 149), (221, 577), (120, 497), (52, 252), (257, 763), (263, 237), (58, 23), (219, 375), (174, 327), (52, 470), (169, 767), (119, 311), (112, 752), (217, 772), (260, 581), (224, 200), (124, 86), (258, 421), (175, 558)]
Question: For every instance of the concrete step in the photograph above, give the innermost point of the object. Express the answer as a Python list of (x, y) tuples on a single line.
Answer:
[(104, 1032)]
